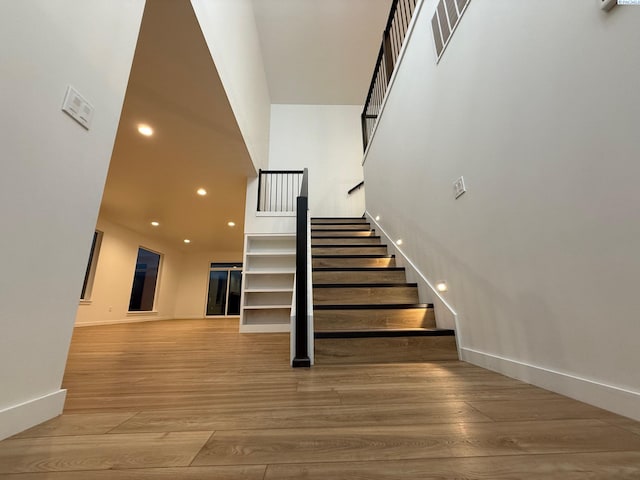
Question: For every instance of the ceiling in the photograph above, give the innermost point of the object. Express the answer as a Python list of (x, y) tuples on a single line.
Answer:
[(320, 52), (314, 51), (174, 87)]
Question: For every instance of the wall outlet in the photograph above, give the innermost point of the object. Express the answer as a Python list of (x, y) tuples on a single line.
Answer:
[(458, 187)]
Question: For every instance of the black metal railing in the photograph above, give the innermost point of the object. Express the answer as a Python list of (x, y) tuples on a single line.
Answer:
[(360, 185), (301, 357), (392, 40), (278, 190)]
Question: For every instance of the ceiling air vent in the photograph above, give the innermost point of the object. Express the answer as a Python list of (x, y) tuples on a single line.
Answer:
[(444, 22)]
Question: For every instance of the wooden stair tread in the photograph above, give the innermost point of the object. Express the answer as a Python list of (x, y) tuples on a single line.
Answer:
[(364, 285), (380, 255), (387, 332), (346, 245), (377, 306), (357, 269)]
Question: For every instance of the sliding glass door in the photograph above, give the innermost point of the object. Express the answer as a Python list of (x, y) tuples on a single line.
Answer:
[(225, 283)]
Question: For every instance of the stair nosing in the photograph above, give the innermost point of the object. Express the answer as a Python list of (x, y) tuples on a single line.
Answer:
[(354, 256), (375, 306), (385, 333), (365, 285), (347, 245), (357, 269)]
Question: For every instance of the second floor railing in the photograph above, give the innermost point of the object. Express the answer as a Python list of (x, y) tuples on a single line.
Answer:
[(278, 190), (392, 40)]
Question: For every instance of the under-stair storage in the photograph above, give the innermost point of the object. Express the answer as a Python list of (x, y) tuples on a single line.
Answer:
[(269, 269)]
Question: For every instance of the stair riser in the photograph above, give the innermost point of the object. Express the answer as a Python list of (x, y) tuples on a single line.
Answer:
[(346, 241), (375, 276), (355, 250), (357, 226), (343, 233), (384, 350), (354, 262), (373, 319), (364, 296), (322, 221)]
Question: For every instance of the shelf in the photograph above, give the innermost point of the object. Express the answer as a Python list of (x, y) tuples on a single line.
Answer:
[(268, 290), (267, 307), (269, 272), (270, 253)]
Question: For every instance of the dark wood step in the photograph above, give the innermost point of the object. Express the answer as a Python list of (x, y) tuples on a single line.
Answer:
[(336, 227), (385, 332), (343, 233), (353, 261), (336, 220), (365, 317), (365, 293), (359, 275), (349, 249), (346, 240)]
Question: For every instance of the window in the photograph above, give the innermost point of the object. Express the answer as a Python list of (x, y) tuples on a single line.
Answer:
[(145, 279), (225, 283), (90, 273)]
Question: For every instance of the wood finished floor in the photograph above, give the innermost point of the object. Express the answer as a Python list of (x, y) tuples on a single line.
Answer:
[(193, 399)]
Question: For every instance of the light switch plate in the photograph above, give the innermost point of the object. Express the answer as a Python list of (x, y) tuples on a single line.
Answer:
[(77, 107), (458, 187)]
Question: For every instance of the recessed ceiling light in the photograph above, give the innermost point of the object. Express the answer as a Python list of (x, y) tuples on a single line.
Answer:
[(155, 224), (201, 191), (399, 242), (377, 217), (186, 240), (145, 130), (231, 224)]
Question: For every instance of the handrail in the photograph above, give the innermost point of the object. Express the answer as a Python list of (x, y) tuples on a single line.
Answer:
[(392, 39), (361, 184), (278, 189), (301, 358)]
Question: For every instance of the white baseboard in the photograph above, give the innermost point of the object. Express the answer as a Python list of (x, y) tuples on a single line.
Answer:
[(267, 328), (612, 398), (17, 418), (122, 320)]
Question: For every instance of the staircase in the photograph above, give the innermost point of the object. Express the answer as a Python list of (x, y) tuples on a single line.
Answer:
[(364, 310)]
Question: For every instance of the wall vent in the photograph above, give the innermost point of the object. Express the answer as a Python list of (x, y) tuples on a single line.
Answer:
[(444, 22)]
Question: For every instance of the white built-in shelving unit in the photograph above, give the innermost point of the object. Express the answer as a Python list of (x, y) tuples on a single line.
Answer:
[(267, 291)]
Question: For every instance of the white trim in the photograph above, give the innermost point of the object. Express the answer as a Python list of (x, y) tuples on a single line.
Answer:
[(619, 400), (131, 319), (405, 43), (407, 261), (17, 418), (275, 214), (136, 313)]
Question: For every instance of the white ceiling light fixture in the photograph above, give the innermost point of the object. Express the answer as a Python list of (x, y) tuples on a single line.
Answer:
[(145, 130), (186, 240), (155, 224), (231, 224), (201, 191)]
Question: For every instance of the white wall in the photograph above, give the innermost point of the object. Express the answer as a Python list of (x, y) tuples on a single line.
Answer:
[(51, 179), (230, 31), (327, 140), (109, 301), (536, 104)]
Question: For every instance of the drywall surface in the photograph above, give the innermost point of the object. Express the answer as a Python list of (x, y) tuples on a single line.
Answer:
[(111, 292), (52, 175), (326, 139), (536, 105), (230, 31)]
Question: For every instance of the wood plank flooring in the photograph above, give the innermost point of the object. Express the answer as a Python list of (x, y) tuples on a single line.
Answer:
[(194, 399)]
